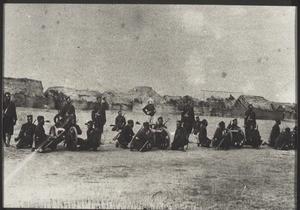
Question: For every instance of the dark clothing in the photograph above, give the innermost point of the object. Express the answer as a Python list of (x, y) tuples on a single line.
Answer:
[(249, 120), (125, 136), (92, 141), (143, 141), (149, 109), (161, 136), (9, 117), (283, 141), (64, 114), (99, 115), (221, 138), (120, 122), (180, 139), (254, 138), (39, 135), (69, 125), (274, 135), (188, 118), (197, 125), (25, 137), (237, 135), (203, 139)]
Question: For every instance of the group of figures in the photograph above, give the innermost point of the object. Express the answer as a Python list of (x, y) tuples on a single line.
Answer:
[(151, 134)]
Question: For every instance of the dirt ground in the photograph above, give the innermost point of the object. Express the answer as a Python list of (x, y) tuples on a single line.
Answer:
[(114, 178)]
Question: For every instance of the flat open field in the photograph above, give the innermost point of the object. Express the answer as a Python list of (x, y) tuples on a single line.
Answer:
[(201, 178)]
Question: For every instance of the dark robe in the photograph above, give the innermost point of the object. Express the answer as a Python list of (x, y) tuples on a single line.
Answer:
[(120, 122), (180, 139), (274, 135), (125, 136), (197, 125), (237, 135), (254, 138), (92, 141), (221, 138), (64, 114), (249, 120), (25, 137), (99, 115), (161, 136), (283, 141), (202, 137), (149, 109), (143, 141), (188, 118), (9, 117), (39, 135)]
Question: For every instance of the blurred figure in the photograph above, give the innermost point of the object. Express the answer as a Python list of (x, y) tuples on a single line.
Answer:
[(92, 141), (144, 139), (249, 119), (188, 117), (120, 122), (275, 132), (237, 135), (180, 138), (197, 125), (283, 141), (25, 138), (99, 114), (72, 135), (9, 118), (150, 110), (295, 137), (63, 115), (221, 138), (254, 138), (39, 135), (125, 135), (204, 141)]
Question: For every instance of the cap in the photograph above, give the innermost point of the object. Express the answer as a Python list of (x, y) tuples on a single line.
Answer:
[(89, 123)]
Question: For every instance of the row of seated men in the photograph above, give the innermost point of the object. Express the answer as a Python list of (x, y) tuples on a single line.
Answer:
[(150, 135)]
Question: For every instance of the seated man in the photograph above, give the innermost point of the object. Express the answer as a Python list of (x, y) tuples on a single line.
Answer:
[(197, 125), (92, 141), (69, 135), (254, 138), (144, 139), (120, 122), (180, 137), (63, 115), (237, 135), (204, 141), (25, 137), (40, 139), (275, 132), (125, 135), (283, 141), (161, 134), (221, 138)]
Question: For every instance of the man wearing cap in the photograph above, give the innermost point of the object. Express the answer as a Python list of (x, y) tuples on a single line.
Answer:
[(236, 133), (120, 122), (39, 134), (275, 132), (9, 118), (283, 142), (249, 119), (188, 117), (125, 135), (63, 115), (99, 114), (180, 137), (25, 137), (92, 141), (149, 110)]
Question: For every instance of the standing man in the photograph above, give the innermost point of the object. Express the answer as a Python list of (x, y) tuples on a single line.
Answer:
[(64, 114), (275, 132), (25, 137), (150, 110), (99, 114), (249, 120), (188, 117), (9, 118), (120, 122)]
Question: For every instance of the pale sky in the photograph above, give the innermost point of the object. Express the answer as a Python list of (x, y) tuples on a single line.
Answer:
[(176, 49)]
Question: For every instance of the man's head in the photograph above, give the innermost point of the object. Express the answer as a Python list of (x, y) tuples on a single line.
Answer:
[(278, 122), (179, 124), (130, 123), (68, 99), (250, 106), (120, 113), (41, 120), (234, 122), (29, 118), (160, 120), (197, 118), (189, 103), (251, 127), (204, 122), (222, 124), (287, 130), (99, 99), (7, 96), (89, 124), (146, 125)]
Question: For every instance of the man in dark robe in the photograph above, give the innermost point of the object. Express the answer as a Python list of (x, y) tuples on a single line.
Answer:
[(99, 114), (92, 141), (64, 114), (275, 132), (120, 122), (40, 136), (283, 141), (69, 137), (149, 110), (249, 119), (221, 138), (197, 125), (125, 135), (237, 135), (180, 137), (204, 141), (9, 118), (144, 139), (161, 134), (25, 138), (188, 117), (254, 138)]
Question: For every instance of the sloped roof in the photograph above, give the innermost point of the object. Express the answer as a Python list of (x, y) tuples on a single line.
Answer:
[(258, 102)]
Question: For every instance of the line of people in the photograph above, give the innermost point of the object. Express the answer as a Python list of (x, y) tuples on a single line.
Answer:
[(151, 134)]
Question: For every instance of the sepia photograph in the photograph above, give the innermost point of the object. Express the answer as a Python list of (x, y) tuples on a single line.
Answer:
[(149, 106)]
